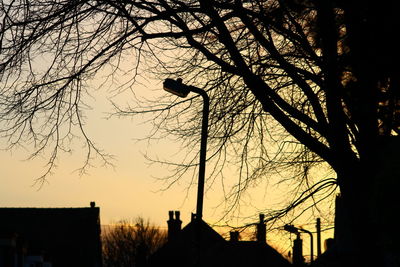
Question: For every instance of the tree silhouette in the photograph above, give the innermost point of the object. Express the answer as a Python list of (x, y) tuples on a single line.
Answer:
[(318, 79), (131, 244)]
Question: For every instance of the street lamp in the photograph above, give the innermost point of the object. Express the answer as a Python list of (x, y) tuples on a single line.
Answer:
[(294, 230), (177, 88), (291, 229)]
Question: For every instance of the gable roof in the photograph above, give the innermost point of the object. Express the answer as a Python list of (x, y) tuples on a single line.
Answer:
[(196, 228), (69, 236), (191, 244)]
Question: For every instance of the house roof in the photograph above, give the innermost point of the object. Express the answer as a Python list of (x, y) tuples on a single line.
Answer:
[(192, 243), (199, 245), (66, 235), (200, 228), (244, 253)]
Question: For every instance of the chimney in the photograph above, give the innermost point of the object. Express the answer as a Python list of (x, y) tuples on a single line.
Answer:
[(298, 259), (234, 236), (261, 230), (174, 225), (92, 204)]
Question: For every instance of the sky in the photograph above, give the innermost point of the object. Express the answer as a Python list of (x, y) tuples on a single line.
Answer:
[(124, 191), (128, 189)]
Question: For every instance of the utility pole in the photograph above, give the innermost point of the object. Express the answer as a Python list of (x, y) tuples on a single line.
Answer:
[(318, 226)]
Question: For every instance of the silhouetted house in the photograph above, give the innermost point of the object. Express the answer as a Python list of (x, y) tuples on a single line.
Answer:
[(185, 247), (197, 244), (50, 237), (330, 257), (244, 254)]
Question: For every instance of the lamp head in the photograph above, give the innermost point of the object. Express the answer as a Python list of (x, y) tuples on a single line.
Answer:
[(176, 87), (291, 229)]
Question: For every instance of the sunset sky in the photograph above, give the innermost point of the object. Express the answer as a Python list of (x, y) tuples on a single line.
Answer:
[(128, 190), (131, 188)]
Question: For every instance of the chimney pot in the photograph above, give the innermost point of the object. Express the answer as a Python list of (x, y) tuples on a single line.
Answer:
[(92, 204), (234, 236), (261, 230), (177, 215)]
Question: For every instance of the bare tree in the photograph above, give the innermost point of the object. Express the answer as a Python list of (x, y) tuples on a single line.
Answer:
[(293, 83), (128, 244)]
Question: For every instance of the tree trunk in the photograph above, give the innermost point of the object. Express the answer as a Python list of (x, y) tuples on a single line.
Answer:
[(366, 218)]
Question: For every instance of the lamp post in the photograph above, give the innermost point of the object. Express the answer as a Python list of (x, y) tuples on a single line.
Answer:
[(311, 245), (177, 88)]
